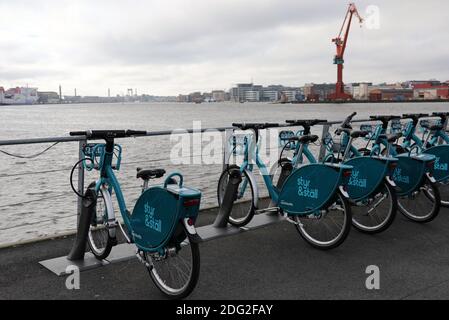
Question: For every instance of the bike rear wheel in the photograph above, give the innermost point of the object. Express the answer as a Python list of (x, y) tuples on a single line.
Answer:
[(330, 229), (443, 187), (379, 213), (423, 205), (243, 209), (99, 240), (176, 272)]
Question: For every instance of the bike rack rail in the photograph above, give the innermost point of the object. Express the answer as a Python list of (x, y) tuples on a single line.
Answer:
[(123, 252)]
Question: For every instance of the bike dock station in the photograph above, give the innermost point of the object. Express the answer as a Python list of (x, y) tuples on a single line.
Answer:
[(123, 252)]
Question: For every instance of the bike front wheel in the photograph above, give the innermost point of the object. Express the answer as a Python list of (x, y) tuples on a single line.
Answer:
[(176, 271), (443, 187), (423, 205), (376, 214), (99, 240), (243, 209), (330, 228)]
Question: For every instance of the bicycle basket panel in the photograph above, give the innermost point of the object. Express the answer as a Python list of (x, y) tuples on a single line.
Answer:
[(425, 124), (441, 167), (396, 126), (154, 217), (95, 151), (284, 142), (367, 174), (308, 189), (408, 174)]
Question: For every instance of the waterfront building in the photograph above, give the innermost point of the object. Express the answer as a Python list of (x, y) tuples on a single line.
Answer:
[(238, 93), (290, 95), (196, 97), (360, 91), (252, 95), (270, 95), (48, 97), (219, 95), (427, 91), (318, 92), (391, 94)]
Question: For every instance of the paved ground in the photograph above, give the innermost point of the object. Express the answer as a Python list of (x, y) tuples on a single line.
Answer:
[(269, 263)]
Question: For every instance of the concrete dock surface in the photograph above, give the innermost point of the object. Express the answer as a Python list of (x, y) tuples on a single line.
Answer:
[(269, 263)]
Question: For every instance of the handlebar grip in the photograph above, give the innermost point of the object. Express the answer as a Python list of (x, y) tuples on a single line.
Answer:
[(78, 133), (135, 133)]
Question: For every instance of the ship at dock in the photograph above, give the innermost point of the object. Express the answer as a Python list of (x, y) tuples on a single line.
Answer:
[(18, 96)]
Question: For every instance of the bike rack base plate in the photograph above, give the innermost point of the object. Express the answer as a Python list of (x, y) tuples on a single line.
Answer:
[(59, 265), (125, 252)]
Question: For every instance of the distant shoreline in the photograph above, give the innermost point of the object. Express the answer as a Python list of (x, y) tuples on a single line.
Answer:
[(267, 102)]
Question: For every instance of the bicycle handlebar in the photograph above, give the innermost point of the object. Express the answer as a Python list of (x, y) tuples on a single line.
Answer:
[(347, 121), (308, 123), (255, 126), (108, 134), (415, 115)]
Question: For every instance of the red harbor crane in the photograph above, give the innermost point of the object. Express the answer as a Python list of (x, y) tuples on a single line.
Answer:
[(341, 42)]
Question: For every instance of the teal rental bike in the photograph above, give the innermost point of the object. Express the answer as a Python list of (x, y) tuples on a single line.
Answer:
[(311, 196), (370, 187), (434, 141), (416, 188), (161, 224)]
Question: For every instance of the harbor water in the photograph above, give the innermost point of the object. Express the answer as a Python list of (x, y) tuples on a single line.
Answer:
[(35, 196)]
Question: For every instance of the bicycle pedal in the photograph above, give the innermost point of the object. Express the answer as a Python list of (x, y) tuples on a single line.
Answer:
[(268, 210), (139, 255)]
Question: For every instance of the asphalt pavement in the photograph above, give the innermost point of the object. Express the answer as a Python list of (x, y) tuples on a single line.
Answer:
[(268, 263)]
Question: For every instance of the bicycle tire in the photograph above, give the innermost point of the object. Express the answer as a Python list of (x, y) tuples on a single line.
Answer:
[(100, 250), (187, 289), (385, 223), (342, 235), (434, 197)]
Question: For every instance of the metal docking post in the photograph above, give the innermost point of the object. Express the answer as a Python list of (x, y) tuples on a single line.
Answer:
[(88, 205), (234, 180)]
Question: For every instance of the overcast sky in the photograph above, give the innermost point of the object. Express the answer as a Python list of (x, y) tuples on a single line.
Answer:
[(166, 47)]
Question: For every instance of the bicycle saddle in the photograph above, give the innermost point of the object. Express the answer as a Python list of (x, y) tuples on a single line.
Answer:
[(440, 114), (255, 126), (390, 137), (305, 139), (359, 134), (147, 174), (435, 127)]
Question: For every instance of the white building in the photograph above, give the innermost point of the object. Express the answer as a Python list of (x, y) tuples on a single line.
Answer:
[(252, 95), (290, 95), (361, 92), (271, 95)]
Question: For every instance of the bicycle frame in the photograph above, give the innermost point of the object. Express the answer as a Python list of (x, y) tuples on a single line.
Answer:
[(431, 147), (411, 171), (305, 191), (369, 171), (157, 212)]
